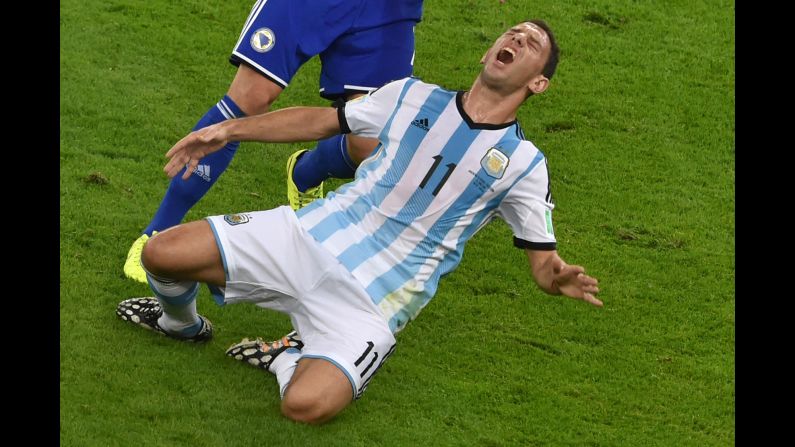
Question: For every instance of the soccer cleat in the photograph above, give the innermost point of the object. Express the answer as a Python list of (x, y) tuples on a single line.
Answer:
[(261, 354), (133, 268), (297, 198), (145, 312)]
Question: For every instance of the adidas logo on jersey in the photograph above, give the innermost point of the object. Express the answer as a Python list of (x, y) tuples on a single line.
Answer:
[(422, 123), (203, 171)]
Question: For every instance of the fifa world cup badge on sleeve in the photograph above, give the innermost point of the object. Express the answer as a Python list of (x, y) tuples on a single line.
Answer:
[(236, 219), (494, 163)]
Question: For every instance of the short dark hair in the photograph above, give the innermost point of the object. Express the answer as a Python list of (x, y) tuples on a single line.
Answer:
[(554, 50)]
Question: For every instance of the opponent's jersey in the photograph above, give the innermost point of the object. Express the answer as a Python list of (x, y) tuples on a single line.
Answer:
[(376, 13), (435, 179)]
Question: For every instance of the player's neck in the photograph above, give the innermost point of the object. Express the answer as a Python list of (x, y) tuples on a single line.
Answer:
[(486, 106)]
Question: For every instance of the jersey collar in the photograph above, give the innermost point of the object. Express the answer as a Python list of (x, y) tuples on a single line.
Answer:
[(459, 98)]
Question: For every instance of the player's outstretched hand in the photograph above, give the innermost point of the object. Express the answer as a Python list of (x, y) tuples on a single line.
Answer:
[(192, 148), (573, 282)]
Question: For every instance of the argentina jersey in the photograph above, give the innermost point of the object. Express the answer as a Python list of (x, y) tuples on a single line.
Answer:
[(435, 179)]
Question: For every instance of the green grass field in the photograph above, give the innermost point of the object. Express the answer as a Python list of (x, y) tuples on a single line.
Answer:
[(638, 127)]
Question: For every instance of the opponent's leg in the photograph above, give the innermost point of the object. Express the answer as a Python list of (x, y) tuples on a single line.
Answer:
[(336, 157), (307, 169), (354, 63), (250, 93)]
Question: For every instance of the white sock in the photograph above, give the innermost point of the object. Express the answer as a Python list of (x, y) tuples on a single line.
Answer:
[(179, 319), (283, 367), (178, 300)]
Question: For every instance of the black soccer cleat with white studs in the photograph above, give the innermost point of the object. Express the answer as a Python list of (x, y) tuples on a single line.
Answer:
[(145, 312), (261, 354)]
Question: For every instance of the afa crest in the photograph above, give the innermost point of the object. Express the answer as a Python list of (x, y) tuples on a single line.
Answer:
[(236, 219), (263, 40), (494, 163)]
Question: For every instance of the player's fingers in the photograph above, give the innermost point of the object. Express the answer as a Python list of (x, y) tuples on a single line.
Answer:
[(172, 167), (189, 168), (591, 289), (587, 280), (172, 151), (178, 146), (176, 163), (592, 299), (576, 270)]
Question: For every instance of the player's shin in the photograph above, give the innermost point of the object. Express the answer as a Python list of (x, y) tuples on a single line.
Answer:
[(181, 195), (283, 367)]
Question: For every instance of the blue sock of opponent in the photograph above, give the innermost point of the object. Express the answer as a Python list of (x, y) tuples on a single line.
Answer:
[(183, 194), (329, 159)]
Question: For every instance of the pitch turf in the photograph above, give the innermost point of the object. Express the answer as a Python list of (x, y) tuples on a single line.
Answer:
[(638, 127)]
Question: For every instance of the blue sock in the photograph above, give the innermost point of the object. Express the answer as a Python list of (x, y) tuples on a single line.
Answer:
[(183, 194), (329, 159)]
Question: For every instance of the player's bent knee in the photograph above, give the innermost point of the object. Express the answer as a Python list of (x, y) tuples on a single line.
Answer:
[(308, 406), (254, 105), (253, 92), (160, 255), (153, 257), (303, 411)]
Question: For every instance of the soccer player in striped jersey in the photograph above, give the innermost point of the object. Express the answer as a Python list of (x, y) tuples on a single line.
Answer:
[(351, 270)]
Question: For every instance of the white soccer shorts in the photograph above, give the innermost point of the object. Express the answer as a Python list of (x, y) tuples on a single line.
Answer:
[(271, 261)]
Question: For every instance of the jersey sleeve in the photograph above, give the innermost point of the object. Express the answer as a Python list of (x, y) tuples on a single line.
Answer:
[(367, 115), (527, 208)]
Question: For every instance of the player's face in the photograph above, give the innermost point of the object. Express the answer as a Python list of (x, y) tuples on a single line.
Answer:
[(517, 58)]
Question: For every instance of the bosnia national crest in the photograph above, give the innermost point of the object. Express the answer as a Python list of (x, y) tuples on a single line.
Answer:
[(263, 40), (494, 162)]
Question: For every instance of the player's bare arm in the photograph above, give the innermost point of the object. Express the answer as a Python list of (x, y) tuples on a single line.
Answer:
[(555, 277), (292, 124)]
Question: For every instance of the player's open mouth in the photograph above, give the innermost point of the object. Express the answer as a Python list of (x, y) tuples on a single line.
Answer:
[(505, 55)]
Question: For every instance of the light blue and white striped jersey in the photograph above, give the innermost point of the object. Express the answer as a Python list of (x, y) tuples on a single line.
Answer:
[(435, 179)]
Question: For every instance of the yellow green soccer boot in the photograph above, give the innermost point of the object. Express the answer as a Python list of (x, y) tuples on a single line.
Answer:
[(297, 198), (133, 268)]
